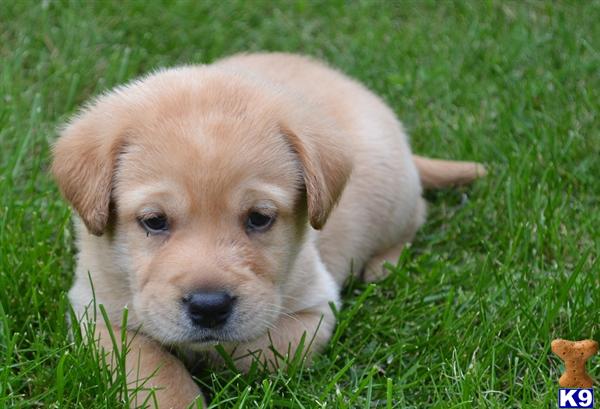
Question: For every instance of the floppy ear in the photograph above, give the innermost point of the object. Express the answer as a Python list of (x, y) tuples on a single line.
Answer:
[(326, 168), (84, 159)]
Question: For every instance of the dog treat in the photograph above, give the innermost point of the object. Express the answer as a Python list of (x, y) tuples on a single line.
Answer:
[(575, 354)]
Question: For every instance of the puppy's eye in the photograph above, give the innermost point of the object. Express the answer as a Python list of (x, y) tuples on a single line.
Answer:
[(154, 224), (259, 222)]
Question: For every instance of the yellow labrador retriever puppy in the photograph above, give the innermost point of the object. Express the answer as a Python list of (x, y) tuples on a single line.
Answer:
[(227, 203)]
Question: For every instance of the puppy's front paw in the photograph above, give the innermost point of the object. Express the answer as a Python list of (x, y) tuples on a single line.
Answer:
[(183, 396), (309, 330)]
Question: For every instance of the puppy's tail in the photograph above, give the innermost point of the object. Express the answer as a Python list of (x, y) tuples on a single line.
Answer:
[(437, 173)]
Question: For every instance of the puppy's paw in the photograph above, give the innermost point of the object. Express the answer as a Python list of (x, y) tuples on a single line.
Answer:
[(188, 397), (375, 269)]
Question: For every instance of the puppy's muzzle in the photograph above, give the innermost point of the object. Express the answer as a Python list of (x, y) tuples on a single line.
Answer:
[(209, 310)]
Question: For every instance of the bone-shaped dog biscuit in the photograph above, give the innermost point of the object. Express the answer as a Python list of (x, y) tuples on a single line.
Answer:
[(575, 354)]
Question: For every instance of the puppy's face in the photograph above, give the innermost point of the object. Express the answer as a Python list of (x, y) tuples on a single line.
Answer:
[(210, 195), (209, 219)]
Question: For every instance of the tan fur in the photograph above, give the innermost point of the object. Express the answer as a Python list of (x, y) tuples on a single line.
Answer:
[(157, 371), (207, 144), (436, 173)]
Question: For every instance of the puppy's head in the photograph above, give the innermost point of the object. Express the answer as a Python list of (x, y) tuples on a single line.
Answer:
[(203, 185)]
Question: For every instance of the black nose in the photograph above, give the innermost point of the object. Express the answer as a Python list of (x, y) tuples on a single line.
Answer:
[(209, 309)]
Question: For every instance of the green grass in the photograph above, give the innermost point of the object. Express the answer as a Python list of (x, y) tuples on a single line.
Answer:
[(498, 271)]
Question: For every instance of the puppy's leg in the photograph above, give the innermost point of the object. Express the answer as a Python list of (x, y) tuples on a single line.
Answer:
[(149, 365), (375, 270), (315, 325)]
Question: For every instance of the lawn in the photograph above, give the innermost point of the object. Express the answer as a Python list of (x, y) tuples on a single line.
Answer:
[(499, 270)]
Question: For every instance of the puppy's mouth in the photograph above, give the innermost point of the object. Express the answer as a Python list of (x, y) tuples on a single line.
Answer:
[(205, 342), (243, 325), (207, 339)]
